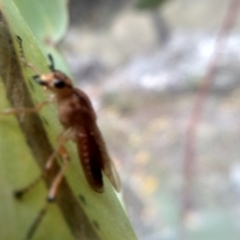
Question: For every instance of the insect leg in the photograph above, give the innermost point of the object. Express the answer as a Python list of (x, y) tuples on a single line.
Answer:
[(36, 109), (37, 221), (50, 199), (55, 184), (61, 150), (21, 192)]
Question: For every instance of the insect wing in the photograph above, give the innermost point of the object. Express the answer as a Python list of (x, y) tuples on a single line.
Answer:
[(108, 165), (92, 149)]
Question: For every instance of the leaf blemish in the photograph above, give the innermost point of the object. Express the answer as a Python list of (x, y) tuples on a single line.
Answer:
[(31, 86), (96, 225), (45, 121), (83, 200)]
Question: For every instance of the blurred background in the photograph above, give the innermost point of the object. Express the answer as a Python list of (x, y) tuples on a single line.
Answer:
[(164, 79)]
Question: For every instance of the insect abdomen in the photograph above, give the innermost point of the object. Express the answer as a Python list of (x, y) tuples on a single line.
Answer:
[(91, 159)]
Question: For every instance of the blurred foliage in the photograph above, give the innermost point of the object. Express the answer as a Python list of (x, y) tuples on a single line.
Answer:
[(150, 4)]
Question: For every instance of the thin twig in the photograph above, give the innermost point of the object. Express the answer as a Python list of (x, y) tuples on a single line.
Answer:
[(189, 164)]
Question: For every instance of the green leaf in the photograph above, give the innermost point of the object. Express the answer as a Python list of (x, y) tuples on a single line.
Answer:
[(48, 21), (37, 138)]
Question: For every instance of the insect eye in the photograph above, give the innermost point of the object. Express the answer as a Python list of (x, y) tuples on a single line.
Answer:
[(59, 84)]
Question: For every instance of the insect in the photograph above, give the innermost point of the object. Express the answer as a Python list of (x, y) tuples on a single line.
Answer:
[(78, 118)]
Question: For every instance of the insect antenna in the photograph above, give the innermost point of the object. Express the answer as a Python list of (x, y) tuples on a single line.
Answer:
[(51, 66), (23, 58)]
